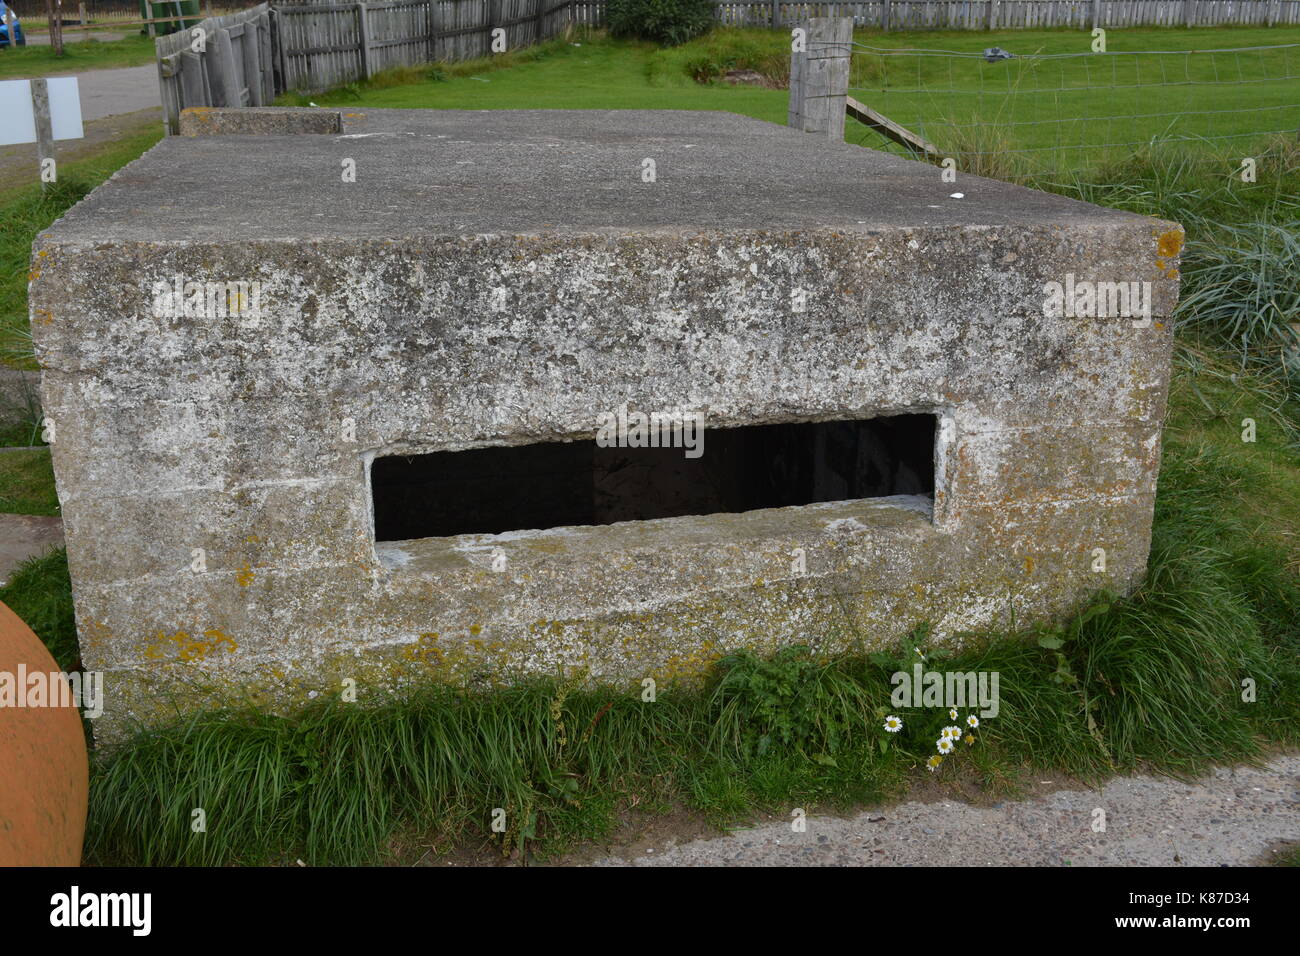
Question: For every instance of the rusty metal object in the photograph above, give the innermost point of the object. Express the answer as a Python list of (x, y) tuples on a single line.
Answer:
[(44, 773)]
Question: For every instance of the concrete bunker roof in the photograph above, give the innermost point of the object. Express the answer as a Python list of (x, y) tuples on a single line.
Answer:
[(447, 173)]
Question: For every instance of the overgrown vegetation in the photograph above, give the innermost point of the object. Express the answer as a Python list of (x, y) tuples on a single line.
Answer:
[(670, 22)]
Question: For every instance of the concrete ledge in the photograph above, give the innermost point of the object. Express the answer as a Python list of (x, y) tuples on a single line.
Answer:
[(259, 121)]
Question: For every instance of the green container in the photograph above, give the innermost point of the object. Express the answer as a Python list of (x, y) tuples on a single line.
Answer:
[(182, 14)]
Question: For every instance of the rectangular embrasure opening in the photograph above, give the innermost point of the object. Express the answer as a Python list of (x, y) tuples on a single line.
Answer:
[(554, 484)]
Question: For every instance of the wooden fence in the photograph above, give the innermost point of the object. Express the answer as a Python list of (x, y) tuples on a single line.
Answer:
[(323, 45), (222, 61), (1016, 14)]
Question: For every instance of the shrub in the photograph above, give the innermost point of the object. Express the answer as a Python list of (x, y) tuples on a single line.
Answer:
[(662, 21)]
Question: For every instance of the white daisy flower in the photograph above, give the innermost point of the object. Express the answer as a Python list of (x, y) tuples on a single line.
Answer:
[(944, 744), (952, 713), (893, 724), (972, 721)]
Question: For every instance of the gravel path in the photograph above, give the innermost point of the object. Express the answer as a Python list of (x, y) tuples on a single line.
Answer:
[(1232, 817), (120, 90)]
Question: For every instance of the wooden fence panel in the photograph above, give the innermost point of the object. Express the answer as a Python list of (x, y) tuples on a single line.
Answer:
[(229, 67)]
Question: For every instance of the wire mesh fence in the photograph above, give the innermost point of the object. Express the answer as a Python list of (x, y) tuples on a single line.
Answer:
[(1002, 111)]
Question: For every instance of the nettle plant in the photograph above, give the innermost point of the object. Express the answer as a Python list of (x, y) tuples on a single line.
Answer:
[(794, 701)]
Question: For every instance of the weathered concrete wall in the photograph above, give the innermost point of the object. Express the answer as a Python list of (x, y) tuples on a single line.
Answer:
[(502, 278)]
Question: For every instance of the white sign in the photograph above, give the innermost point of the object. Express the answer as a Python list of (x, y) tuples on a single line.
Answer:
[(18, 117)]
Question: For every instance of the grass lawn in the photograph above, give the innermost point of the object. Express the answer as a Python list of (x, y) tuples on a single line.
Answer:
[(965, 105), (78, 56), (1149, 681), (27, 482)]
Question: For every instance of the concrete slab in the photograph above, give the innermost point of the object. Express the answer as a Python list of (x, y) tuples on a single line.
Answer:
[(457, 172)]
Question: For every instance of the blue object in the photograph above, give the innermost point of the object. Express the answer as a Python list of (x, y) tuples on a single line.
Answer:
[(18, 37)]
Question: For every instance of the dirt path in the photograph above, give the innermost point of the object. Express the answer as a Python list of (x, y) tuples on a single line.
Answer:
[(1233, 817)]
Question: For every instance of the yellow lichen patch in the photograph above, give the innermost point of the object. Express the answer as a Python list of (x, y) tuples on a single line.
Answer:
[(1029, 565), (1169, 244), (180, 647), (425, 650), (244, 576), (216, 638)]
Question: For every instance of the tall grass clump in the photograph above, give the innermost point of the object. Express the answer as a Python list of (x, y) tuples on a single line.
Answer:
[(1242, 290)]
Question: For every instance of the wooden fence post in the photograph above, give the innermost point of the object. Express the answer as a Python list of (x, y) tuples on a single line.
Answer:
[(82, 18), (993, 15), (776, 13), (54, 8), (364, 24), (9, 22), (1189, 12), (1096, 14), (819, 77), (884, 15), (44, 128)]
